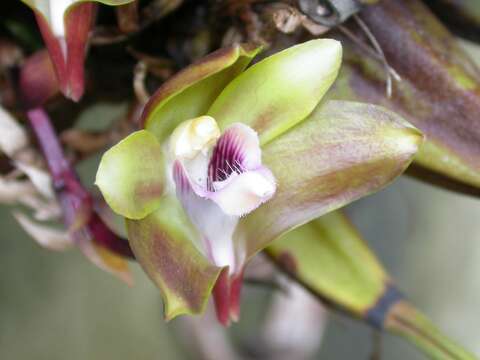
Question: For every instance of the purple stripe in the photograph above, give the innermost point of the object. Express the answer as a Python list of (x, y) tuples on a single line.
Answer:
[(227, 157)]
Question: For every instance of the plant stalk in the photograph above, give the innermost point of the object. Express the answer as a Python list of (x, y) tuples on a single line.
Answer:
[(76, 201), (407, 322)]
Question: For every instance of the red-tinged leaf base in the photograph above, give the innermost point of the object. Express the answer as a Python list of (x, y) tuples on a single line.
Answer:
[(226, 295)]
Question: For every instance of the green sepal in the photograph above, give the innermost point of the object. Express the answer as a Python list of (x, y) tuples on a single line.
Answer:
[(280, 91), (164, 245), (340, 153)]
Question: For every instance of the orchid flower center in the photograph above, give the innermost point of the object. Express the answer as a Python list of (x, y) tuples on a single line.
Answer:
[(218, 178)]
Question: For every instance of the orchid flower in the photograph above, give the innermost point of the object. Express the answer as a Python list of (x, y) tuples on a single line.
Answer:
[(65, 26), (230, 159)]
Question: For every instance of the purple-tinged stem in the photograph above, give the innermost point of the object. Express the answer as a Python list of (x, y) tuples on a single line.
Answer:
[(49, 144), (73, 197)]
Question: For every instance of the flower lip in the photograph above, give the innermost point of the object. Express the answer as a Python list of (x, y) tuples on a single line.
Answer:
[(242, 193), (237, 150), (230, 172)]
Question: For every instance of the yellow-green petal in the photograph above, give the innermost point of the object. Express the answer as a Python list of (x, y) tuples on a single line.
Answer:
[(131, 175), (281, 90), (190, 92)]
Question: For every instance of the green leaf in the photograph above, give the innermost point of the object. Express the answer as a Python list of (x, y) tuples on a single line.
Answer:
[(281, 90), (190, 92), (341, 152), (329, 257), (439, 91), (131, 175), (163, 243)]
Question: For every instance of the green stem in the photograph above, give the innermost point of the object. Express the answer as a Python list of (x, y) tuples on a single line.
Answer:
[(404, 320)]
